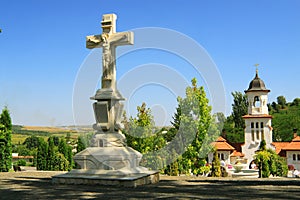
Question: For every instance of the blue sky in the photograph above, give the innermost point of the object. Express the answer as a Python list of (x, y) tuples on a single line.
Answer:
[(42, 49)]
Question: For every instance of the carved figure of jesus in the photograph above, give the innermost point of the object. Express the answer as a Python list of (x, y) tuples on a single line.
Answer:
[(108, 42)]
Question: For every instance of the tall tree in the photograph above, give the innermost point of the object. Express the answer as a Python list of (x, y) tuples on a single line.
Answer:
[(80, 144), (144, 137), (234, 124), (5, 141), (51, 154), (196, 129), (31, 142), (62, 147), (239, 109), (42, 154)]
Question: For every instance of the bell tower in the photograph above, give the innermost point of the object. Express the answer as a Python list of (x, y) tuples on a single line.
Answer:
[(257, 121)]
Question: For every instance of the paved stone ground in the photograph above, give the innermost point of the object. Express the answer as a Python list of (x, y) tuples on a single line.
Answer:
[(37, 185)]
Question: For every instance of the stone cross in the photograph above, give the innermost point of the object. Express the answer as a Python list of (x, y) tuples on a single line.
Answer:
[(108, 41)]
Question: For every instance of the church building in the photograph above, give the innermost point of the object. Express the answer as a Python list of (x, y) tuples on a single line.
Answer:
[(258, 127)]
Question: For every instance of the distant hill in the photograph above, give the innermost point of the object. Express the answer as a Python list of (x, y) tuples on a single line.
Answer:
[(40, 130), (286, 117), (20, 133)]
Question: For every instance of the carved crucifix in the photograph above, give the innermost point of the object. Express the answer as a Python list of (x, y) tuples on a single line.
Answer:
[(108, 41)]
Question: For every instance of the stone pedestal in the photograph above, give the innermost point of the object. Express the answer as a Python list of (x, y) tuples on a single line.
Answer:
[(115, 166)]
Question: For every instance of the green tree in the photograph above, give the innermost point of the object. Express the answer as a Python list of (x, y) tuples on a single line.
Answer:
[(69, 157), (239, 109), (31, 142), (80, 144), (234, 125), (262, 158), (51, 154), (42, 154), (269, 162), (5, 141), (144, 137), (296, 102), (195, 129), (216, 166), (60, 163), (62, 147), (281, 101)]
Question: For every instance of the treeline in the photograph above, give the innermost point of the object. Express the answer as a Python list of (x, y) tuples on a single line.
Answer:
[(286, 118), (53, 155)]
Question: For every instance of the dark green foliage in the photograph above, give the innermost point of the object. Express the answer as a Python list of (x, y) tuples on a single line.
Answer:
[(69, 157), (50, 157), (42, 155), (234, 124), (80, 144), (59, 163), (5, 141), (50, 154), (176, 118), (285, 120), (21, 162), (239, 109), (296, 102), (62, 147), (281, 101), (55, 140), (262, 145), (31, 142), (216, 166)]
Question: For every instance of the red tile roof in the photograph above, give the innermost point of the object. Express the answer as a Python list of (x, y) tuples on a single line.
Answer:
[(294, 145), (279, 146), (221, 144), (237, 154)]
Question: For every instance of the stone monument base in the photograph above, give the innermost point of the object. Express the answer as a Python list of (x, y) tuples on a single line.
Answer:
[(118, 166), (119, 178)]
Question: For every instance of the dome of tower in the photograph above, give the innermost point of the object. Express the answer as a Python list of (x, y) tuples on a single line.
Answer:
[(257, 84)]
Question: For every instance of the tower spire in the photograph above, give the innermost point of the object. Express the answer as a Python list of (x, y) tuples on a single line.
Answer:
[(256, 65)]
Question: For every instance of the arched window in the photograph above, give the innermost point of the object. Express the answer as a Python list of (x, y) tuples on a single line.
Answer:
[(294, 156), (261, 125), (257, 125), (252, 135), (256, 102), (252, 124), (262, 135), (257, 135)]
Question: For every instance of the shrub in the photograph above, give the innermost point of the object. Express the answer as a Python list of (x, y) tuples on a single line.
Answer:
[(21, 162)]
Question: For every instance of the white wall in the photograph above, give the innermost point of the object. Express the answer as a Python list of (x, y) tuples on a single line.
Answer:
[(291, 161)]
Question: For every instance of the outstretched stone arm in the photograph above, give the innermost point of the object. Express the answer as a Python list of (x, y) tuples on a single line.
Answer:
[(93, 41), (123, 38)]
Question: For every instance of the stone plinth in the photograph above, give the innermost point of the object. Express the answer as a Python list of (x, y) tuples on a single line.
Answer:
[(120, 178)]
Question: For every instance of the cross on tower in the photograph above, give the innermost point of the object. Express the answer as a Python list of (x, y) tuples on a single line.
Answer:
[(256, 65)]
